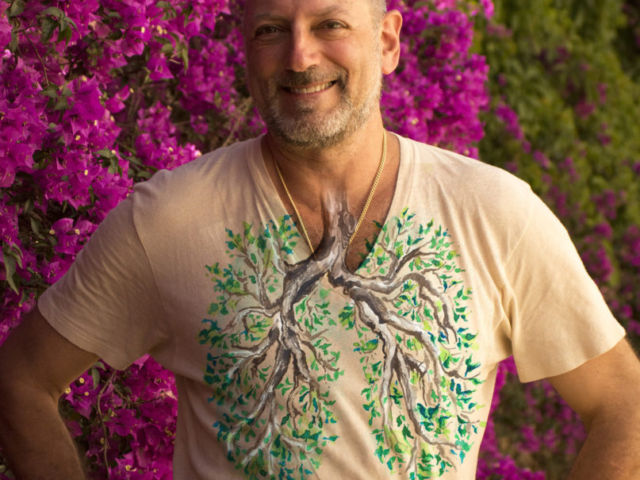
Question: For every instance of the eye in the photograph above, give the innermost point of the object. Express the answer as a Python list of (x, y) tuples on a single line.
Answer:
[(332, 29), (267, 29), (332, 25)]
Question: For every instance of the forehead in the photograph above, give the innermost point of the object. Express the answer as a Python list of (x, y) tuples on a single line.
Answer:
[(257, 9)]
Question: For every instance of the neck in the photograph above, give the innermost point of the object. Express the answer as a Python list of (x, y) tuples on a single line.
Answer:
[(344, 173), (345, 168)]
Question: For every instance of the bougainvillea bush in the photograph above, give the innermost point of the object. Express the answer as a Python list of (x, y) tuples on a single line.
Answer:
[(99, 94)]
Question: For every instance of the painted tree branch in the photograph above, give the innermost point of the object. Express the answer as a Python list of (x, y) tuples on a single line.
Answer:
[(407, 313)]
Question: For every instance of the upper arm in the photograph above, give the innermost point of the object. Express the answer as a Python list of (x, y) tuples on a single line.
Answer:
[(35, 354), (606, 383)]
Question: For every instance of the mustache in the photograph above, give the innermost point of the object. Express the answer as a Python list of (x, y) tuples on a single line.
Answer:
[(309, 77)]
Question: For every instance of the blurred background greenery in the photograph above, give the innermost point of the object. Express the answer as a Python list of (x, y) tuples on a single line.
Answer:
[(564, 116)]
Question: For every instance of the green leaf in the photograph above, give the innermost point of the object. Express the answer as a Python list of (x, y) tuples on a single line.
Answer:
[(167, 49), (16, 8), (95, 376), (54, 12), (35, 227), (47, 25), (10, 270), (182, 51), (65, 33), (50, 91), (13, 44)]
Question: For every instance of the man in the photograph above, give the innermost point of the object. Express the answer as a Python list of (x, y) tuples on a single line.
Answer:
[(360, 341)]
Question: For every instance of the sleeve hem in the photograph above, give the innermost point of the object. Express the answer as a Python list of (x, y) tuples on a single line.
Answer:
[(76, 336), (527, 374)]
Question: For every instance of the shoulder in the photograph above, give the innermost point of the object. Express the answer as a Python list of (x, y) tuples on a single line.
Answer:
[(479, 204), (465, 180), (216, 167), (201, 189)]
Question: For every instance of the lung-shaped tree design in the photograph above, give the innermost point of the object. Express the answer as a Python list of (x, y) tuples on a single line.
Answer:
[(271, 364)]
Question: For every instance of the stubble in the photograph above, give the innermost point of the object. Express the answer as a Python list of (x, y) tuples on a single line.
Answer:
[(303, 126)]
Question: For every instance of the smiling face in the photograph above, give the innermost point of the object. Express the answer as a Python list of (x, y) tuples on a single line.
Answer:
[(314, 67)]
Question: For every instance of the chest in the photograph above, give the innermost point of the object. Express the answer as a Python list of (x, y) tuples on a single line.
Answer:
[(362, 227), (287, 341)]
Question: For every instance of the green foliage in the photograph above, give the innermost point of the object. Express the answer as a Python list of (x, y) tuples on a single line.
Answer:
[(570, 70), (627, 42), (555, 64)]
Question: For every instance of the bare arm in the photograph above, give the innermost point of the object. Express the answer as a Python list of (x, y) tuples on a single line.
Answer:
[(605, 392), (36, 364)]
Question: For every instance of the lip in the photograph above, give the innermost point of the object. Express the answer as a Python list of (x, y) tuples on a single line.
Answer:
[(309, 89)]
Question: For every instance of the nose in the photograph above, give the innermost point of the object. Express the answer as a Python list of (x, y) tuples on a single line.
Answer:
[(303, 52)]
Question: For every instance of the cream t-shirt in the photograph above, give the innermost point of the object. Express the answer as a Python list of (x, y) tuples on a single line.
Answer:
[(296, 368)]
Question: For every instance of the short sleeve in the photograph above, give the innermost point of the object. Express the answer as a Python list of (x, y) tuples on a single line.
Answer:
[(107, 303), (558, 316)]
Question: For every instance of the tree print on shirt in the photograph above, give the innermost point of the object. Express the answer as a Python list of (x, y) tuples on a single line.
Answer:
[(410, 304), (271, 361)]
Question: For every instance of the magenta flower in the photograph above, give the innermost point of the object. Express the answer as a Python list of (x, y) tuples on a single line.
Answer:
[(86, 104)]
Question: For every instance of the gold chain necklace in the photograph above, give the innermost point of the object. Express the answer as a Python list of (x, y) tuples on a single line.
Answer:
[(367, 203)]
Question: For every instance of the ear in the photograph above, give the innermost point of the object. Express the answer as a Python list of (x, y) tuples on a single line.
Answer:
[(390, 40)]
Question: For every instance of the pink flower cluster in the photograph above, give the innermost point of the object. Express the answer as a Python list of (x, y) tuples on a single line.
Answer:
[(132, 434), (88, 92), (439, 89)]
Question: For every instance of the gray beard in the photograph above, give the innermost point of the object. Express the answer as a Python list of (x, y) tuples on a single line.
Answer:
[(306, 129)]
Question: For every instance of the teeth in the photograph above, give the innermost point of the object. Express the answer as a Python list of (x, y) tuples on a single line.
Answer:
[(308, 90)]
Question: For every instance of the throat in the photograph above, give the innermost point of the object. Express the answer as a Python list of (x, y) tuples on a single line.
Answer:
[(353, 231), (361, 243)]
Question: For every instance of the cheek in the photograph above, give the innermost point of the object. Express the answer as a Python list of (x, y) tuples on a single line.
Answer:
[(257, 72), (261, 82), (352, 58), (266, 59)]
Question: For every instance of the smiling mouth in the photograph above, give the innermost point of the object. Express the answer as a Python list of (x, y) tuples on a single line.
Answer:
[(310, 89)]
